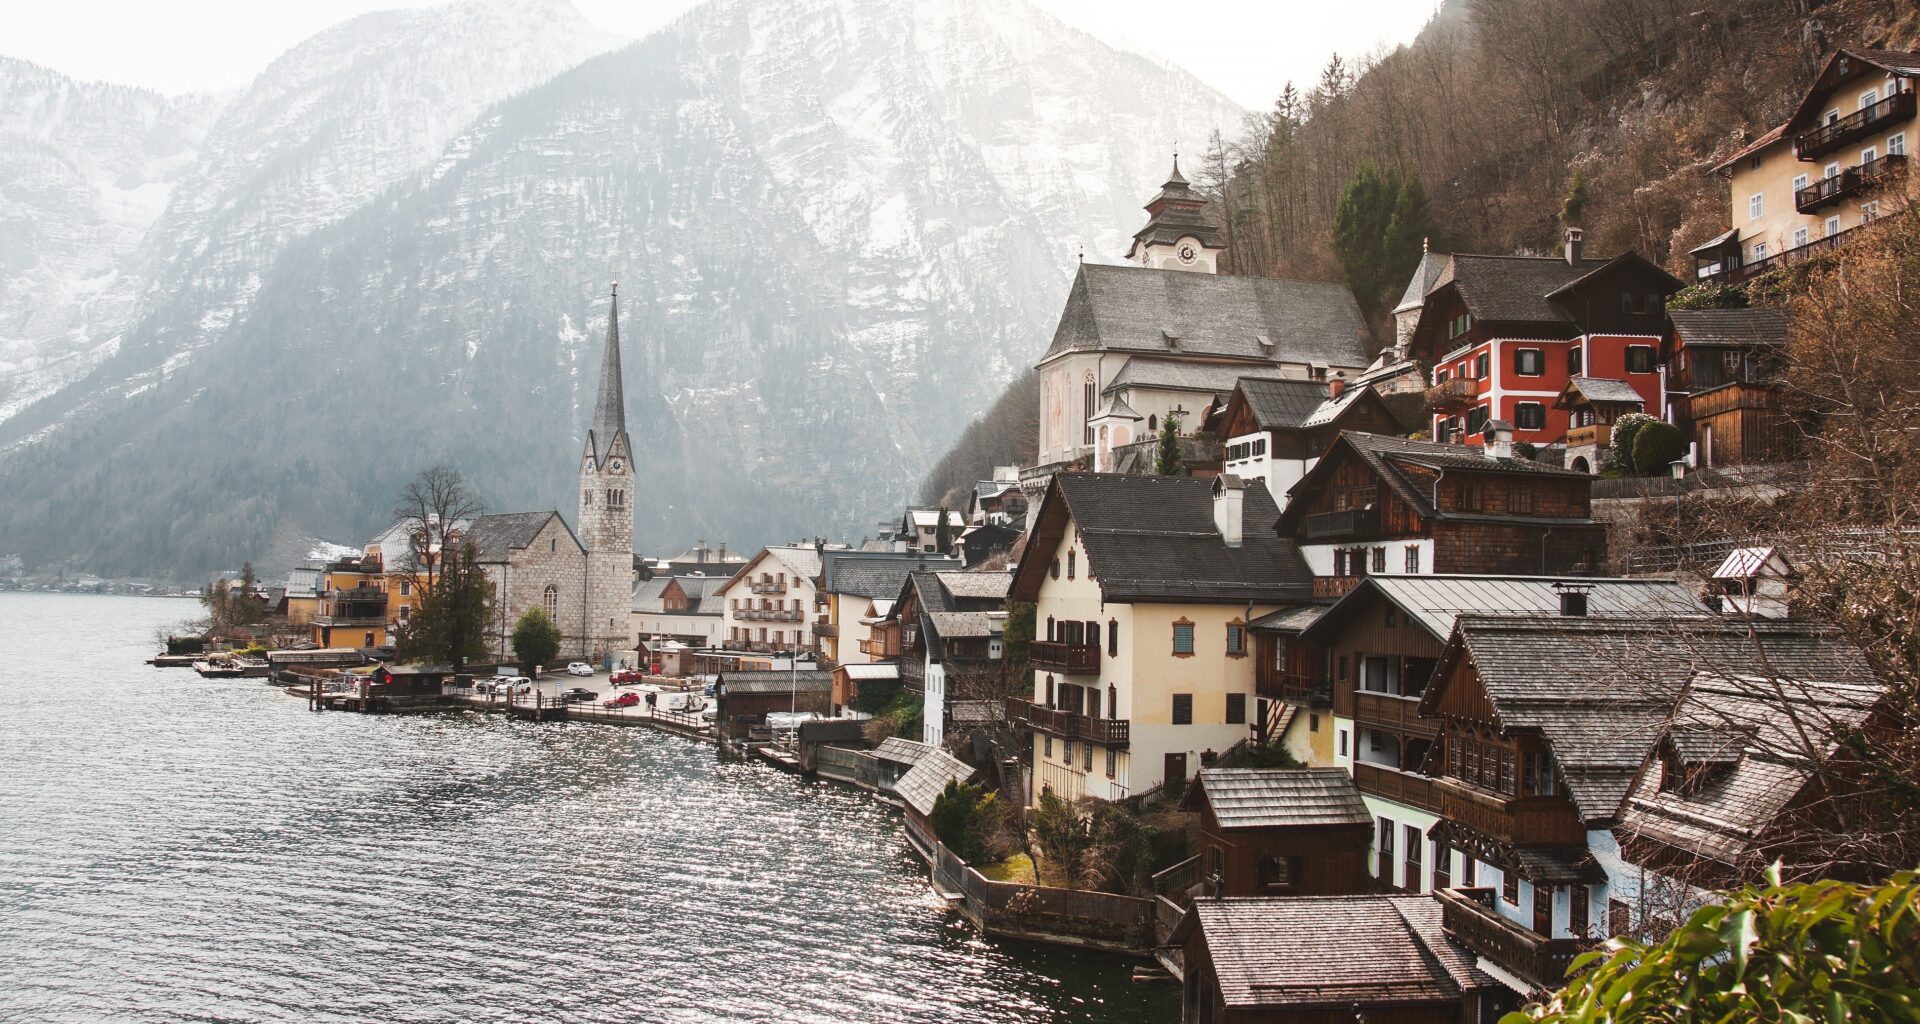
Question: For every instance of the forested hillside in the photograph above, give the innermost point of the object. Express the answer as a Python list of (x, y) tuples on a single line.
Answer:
[(1517, 117)]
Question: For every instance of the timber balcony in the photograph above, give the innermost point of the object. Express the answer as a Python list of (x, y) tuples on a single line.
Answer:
[(1454, 395), (1848, 183), (879, 649), (1347, 522), (1592, 433), (770, 614), (1409, 788), (826, 629), (1293, 687), (1335, 586), (1468, 916), (1056, 656), (1855, 126), (1111, 732), (1521, 821), (768, 586)]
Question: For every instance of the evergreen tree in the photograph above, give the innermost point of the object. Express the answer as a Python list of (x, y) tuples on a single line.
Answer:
[(1379, 231), (243, 604), (449, 626), (1573, 210), (1167, 460), (943, 533), (536, 640)]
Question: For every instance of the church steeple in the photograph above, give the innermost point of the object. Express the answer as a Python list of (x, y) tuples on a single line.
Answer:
[(608, 430), (1178, 235)]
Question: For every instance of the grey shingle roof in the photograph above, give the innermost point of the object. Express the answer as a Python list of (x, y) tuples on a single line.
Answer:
[(1756, 759), (1605, 389), (876, 574), (1174, 375), (976, 585), (494, 536), (648, 596), (1513, 288), (1385, 454), (1435, 602), (1363, 949), (923, 783), (1424, 275), (1276, 797), (775, 681), (960, 625), (1729, 327), (901, 751), (1285, 404), (1601, 691), (1133, 309), (1153, 537)]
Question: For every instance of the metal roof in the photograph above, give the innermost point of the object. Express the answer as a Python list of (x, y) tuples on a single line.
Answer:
[(1435, 602), (1746, 563)]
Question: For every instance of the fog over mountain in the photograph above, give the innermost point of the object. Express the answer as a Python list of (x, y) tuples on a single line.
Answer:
[(839, 226)]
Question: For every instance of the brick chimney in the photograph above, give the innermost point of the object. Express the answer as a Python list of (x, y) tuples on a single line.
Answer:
[(1574, 235), (1496, 439), (1229, 494), (1336, 383)]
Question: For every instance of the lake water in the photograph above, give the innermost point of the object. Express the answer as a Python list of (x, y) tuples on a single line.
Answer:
[(181, 849)]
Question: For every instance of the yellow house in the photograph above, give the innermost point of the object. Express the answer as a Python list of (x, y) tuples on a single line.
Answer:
[(353, 605), (1143, 587), (303, 595), (1838, 162)]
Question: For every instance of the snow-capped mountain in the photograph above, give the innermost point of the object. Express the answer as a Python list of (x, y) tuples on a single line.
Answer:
[(322, 130), (839, 226), (85, 170)]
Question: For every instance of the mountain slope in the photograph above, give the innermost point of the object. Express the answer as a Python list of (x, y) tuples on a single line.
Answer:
[(85, 169), (321, 131), (839, 227)]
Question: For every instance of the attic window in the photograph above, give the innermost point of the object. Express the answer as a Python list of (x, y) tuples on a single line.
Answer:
[(1173, 340), (1265, 342)]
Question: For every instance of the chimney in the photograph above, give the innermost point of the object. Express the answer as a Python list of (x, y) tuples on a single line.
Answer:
[(1573, 246), (723, 551), (1573, 599), (1336, 383), (1496, 439), (1229, 492), (700, 552)]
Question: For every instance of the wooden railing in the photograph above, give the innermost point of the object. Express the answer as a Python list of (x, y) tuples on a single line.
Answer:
[(826, 629), (1469, 917), (1459, 392), (1292, 687), (1398, 786), (1859, 124), (1073, 659), (879, 649), (1592, 433), (1399, 714), (1343, 523), (1111, 732), (1849, 182), (768, 586), (1536, 820), (1335, 586)]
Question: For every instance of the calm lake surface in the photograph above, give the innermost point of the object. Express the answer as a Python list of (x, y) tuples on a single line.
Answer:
[(180, 849)]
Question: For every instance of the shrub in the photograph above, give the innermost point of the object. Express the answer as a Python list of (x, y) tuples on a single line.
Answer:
[(961, 816), (535, 638), (1620, 450), (1656, 445), (1826, 951)]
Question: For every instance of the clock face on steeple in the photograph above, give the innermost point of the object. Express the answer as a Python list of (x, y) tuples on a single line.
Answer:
[(1186, 253), (615, 464)]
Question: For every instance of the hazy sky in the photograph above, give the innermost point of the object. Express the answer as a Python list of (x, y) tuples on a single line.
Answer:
[(218, 44)]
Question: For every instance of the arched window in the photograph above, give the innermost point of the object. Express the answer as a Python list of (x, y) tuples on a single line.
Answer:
[(1049, 627), (551, 599), (1073, 560), (1089, 393), (1153, 422), (1113, 638), (1054, 569)]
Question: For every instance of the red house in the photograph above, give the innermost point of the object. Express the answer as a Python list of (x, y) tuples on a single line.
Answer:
[(1504, 334)]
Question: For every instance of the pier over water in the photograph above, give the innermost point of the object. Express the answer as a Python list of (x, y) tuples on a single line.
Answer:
[(179, 848)]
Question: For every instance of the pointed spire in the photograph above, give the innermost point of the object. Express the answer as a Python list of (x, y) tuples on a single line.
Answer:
[(1176, 178), (610, 408)]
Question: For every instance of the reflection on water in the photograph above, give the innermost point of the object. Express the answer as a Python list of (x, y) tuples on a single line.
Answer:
[(173, 848)]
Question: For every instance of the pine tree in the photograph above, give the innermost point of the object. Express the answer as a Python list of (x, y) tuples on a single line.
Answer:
[(536, 640), (1167, 460), (943, 533), (449, 626)]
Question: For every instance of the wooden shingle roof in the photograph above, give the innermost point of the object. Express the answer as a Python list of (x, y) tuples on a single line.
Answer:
[(1278, 797)]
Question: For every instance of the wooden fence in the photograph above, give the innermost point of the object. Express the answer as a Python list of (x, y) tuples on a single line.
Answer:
[(846, 765), (1038, 913)]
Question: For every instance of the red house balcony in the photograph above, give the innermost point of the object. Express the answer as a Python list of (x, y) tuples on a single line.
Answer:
[(1456, 395), (1056, 656)]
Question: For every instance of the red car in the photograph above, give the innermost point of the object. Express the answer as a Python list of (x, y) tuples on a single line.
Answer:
[(625, 700), (628, 678)]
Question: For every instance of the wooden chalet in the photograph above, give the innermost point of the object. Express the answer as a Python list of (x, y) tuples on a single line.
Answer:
[(1592, 405), (1274, 430), (1378, 505), (1329, 960), (1547, 725), (1280, 831), (1723, 378)]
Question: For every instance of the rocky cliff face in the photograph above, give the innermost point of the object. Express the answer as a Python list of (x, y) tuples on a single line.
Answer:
[(839, 226)]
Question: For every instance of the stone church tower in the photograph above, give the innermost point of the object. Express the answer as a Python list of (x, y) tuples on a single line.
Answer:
[(606, 507)]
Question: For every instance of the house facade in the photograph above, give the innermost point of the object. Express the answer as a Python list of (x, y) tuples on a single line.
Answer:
[(1275, 430), (686, 609), (949, 627), (771, 602), (1838, 162), (858, 587), (1280, 831), (351, 605), (1143, 587), (1504, 334), (1725, 388)]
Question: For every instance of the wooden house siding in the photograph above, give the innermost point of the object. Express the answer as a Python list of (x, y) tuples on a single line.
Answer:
[(1523, 549), (1741, 424)]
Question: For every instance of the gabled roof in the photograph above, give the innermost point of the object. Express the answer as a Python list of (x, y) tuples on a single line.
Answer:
[(1524, 289), (801, 563), (902, 751), (875, 574), (1387, 455), (1630, 674), (304, 581), (1175, 375), (924, 782), (1807, 112), (1730, 328), (1598, 391), (494, 537), (963, 625), (1278, 797), (1424, 276), (984, 586), (1133, 309), (1434, 603), (774, 681), (1114, 408), (649, 595), (1767, 138), (1747, 563), (1283, 404), (1153, 538), (1756, 760), (1362, 949)]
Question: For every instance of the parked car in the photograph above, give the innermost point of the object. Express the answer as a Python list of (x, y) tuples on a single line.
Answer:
[(486, 686), (579, 668), (627, 678), (625, 700), (519, 685), (578, 694)]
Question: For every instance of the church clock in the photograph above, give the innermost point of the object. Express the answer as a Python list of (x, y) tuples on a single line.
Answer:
[(1186, 253), (615, 465)]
